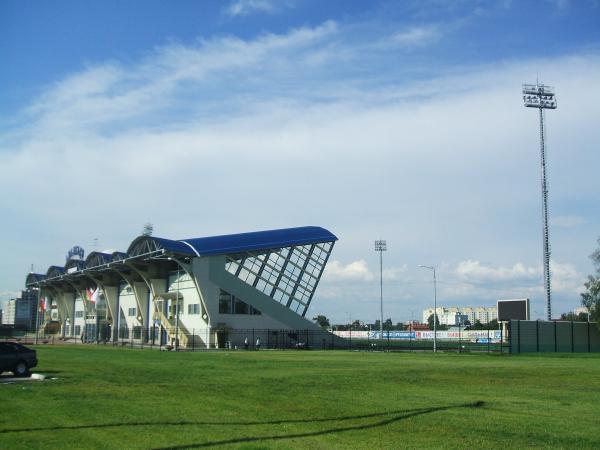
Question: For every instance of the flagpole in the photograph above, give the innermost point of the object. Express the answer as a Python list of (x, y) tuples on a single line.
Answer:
[(37, 316)]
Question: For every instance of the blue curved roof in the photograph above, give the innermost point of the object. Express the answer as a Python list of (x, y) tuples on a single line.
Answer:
[(174, 246), (162, 243), (55, 269), (259, 240), (104, 257), (115, 256), (242, 242), (34, 278)]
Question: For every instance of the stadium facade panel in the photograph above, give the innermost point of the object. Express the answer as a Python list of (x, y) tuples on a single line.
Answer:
[(187, 290)]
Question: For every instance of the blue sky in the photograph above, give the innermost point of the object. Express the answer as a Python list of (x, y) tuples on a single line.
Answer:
[(399, 120)]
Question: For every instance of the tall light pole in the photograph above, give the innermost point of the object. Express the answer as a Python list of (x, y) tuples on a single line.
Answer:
[(381, 246), (542, 97), (434, 306)]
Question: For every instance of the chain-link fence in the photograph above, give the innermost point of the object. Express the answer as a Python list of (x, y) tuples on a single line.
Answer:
[(183, 339)]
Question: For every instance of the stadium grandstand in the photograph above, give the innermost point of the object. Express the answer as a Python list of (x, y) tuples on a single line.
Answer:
[(186, 292)]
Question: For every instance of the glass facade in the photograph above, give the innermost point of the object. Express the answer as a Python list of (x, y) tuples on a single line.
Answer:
[(288, 275)]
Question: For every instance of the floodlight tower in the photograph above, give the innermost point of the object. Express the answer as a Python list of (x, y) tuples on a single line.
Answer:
[(435, 316), (381, 246), (542, 97)]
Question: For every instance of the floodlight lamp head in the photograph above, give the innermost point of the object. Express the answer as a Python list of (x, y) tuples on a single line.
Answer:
[(380, 245), (539, 96)]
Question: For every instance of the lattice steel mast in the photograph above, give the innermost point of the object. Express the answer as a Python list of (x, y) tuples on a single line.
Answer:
[(381, 246), (542, 97)]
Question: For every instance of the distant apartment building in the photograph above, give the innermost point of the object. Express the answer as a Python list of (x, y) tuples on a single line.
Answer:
[(9, 312), (25, 314), (456, 315), (580, 310), (21, 311)]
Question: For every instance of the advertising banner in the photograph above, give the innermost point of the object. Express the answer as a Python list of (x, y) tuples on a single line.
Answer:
[(465, 335), (393, 335), (470, 335), (352, 334)]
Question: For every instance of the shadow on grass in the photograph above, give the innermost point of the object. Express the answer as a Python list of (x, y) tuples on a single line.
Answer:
[(396, 416)]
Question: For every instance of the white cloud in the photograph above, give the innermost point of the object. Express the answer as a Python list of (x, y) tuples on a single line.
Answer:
[(475, 272), (360, 271), (245, 7), (567, 221), (354, 271), (394, 273), (472, 277), (566, 279), (416, 36)]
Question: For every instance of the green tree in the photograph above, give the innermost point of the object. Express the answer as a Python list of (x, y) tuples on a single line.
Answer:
[(357, 325), (492, 325), (591, 297), (322, 321), (477, 325), (568, 316), (430, 322), (581, 317)]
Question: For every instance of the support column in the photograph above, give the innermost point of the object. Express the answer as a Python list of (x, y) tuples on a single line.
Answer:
[(140, 290), (68, 299)]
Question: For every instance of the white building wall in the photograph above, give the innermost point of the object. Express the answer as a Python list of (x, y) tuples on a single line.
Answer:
[(128, 313), (190, 315), (8, 316), (79, 317)]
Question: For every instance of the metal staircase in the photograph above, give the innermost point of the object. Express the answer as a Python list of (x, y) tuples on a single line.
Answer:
[(173, 330)]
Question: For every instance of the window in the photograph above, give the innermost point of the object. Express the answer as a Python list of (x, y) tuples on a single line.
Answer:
[(78, 313), (77, 330), (224, 302), (229, 304), (194, 308), (240, 307), (137, 332), (131, 312), (224, 306)]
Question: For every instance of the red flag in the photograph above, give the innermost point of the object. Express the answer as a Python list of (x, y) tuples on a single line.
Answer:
[(92, 294)]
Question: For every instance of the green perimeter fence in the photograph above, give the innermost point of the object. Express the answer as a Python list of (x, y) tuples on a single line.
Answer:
[(527, 336)]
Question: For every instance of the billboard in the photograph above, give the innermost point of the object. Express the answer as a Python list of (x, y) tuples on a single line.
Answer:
[(517, 309)]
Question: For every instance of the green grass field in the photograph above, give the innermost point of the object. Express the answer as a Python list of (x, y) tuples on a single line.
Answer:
[(122, 398)]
